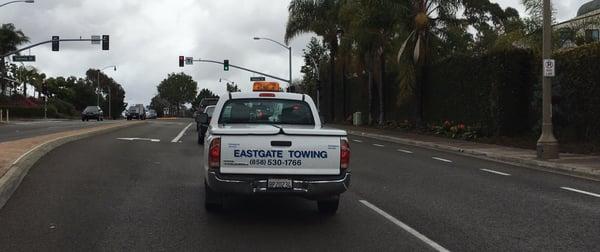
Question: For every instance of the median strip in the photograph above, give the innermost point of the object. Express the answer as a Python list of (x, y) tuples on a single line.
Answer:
[(406, 228)]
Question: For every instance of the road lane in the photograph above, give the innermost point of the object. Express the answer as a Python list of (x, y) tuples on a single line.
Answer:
[(464, 208), (102, 193), (24, 129)]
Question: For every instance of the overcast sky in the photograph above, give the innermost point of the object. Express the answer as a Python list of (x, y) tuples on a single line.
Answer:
[(148, 36)]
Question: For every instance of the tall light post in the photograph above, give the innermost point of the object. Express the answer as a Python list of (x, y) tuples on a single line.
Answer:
[(318, 86), (98, 92), (284, 46), (547, 145), (19, 1)]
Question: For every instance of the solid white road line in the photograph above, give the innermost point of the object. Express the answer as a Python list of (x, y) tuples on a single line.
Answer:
[(496, 172), (405, 151), (358, 141), (407, 228), (176, 139), (580, 191), (379, 145), (441, 159)]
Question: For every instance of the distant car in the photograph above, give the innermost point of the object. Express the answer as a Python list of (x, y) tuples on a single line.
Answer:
[(92, 112), (205, 102), (136, 112), (203, 127), (151, 114)]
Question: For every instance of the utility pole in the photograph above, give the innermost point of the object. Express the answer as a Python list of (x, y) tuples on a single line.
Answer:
[(547, 145)]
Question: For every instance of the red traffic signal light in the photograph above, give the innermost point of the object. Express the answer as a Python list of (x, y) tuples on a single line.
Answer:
[(181, 61)]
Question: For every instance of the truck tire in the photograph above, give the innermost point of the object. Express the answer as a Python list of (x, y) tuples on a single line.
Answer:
[(213, 201), (329, 206), (200, 139)]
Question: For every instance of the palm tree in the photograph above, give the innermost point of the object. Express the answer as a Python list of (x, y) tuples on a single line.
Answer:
[(320, 17), (371, 25), (10, 38), (431, 22)]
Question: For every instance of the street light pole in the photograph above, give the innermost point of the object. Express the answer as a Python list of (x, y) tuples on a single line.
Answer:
[(547, 145), (98, 91), (19, 1), (289, 48)]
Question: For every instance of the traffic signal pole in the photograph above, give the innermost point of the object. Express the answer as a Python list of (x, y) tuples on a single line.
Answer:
[(242, 68), (46, 42)]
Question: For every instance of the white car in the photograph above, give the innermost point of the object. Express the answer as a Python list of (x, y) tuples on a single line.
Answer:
[(268, 142)]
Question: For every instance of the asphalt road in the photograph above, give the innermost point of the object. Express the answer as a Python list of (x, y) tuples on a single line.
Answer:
[(23, 129), (103, 193)]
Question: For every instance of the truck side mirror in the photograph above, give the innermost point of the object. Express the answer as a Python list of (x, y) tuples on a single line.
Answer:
[(203, 118)]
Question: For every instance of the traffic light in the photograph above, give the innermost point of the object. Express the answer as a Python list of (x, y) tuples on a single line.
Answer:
[(226, 65), (181, 61), (105, 40), (55, 45)]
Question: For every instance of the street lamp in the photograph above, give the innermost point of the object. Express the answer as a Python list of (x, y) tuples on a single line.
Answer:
[(284, 46), (547, 145), (19, 1), (318, 87), (98, 93)]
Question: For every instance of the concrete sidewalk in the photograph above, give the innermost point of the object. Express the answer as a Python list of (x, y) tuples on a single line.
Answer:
[(570, 164), (16, 157)]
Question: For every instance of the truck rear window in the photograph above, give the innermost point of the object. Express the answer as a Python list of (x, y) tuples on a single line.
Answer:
[(270, 111)]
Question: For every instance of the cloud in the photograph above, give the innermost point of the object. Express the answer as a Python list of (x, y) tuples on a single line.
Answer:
[(148, 36)]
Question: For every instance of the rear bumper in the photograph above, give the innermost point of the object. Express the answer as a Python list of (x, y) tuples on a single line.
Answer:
[(313, 187)]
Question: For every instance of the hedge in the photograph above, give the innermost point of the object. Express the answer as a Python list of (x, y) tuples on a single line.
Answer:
[(493, 91), (577, 94), (35, 112)]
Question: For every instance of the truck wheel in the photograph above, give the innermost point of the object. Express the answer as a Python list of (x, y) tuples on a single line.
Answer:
[(213, 201), (200, 139), (329, 206)]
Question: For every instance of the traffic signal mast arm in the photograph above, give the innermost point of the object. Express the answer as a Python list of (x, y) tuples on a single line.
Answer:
[(242, 68), (46, 42)]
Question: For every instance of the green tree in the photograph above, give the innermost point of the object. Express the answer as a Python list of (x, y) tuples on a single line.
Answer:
[(159, 104), (178, 89), (10, 38), (431, 22), (232, 87), (322, 18), (314, 57), (204, 93)]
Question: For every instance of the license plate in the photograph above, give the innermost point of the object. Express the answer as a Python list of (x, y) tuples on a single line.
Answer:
[(279, 183)]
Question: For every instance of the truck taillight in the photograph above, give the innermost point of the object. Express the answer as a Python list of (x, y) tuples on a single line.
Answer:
[(214, 153), (344, 154)]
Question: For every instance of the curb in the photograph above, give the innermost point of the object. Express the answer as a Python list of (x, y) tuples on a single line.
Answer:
[(20, 167), (569, 170)]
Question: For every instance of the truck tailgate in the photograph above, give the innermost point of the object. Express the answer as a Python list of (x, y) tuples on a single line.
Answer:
[(280, 155)]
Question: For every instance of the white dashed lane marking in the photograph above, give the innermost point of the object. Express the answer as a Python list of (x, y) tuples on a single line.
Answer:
[(496, 172), (443, 160), (581, 191), (358, 141), (379, 145), (406, 228), (405, 151)]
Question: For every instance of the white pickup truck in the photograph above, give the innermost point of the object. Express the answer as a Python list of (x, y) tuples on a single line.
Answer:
[(273, 143)]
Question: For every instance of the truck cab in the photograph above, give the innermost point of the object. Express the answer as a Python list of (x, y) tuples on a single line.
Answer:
[(270, 142)]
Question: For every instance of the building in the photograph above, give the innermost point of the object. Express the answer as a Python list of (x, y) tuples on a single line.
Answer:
[(584, 28)]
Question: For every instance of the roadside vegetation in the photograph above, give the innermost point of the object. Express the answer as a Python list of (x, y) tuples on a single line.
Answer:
[(462, 69)]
